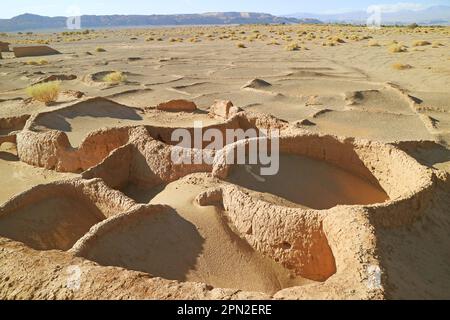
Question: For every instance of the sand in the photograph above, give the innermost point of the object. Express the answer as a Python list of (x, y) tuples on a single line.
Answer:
[(214, 254), (363, 183), (308, 183), (17, 176)]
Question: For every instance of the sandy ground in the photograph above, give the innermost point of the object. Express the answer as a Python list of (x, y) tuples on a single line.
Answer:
[(214, 254), (303, 82), (17, 176), (308, 183), (343, 80)]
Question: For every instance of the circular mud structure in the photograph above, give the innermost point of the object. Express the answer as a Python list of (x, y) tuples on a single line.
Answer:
[(296, 233)]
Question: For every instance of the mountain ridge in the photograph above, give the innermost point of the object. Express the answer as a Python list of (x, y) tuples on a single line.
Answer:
[(31, 22), (426, 16)]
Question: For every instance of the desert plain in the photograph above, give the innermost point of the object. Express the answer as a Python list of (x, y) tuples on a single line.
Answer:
[(93, 207)]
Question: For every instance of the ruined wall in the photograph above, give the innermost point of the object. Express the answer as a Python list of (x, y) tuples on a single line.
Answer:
[(34, 51), (292, 237)]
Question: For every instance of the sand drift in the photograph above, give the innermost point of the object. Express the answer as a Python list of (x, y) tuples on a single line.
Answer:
[(135, 220)]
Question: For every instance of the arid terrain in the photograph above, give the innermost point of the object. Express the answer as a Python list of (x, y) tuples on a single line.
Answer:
[(93, 207)]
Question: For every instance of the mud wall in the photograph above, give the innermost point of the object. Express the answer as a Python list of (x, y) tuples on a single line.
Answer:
[(292, 237), (34, 51), (52, 149)]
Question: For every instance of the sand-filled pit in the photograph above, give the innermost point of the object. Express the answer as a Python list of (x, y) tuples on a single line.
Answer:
[(17, 176), (308, 183), (85, 117), (191, 243), (55, 215)]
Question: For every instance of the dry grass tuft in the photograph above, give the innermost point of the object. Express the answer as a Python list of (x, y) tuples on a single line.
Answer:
[(115, 77), (241, 45), (292, 47), (437, 44), (45, 92), (401, 66), (41, 62), (421, 43), (397, 48), (373, 43)]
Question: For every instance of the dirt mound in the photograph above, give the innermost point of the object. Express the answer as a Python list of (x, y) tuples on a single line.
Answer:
[(177, 106)]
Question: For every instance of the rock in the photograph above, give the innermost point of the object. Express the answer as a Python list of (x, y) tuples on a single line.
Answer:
[(321, 112), (177, 106), (313, 101), (304, 122), (223, 109), (74, 93), (4, 47), (209, 197), (131, 59), (57, 77)]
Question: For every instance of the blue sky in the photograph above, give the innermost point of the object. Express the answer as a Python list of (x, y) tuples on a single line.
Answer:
[(62, 7)]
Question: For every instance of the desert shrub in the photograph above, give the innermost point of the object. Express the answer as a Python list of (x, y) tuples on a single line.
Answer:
[(241, 45), (337, 40), (292, 47), (45, 92), (437, 44), (32, 63), (98, 49), (397, 48), (421, 43), (401, 66), (36, 63), (115, 77)]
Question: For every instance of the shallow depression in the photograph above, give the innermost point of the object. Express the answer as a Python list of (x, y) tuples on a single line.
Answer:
[(187, 242), (306, 182), (50, 223)]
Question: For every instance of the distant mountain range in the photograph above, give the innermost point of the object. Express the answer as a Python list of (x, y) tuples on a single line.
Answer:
[(429, 16), (29, 22)]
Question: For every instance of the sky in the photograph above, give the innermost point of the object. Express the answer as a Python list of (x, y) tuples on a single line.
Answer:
[(277, 7)]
